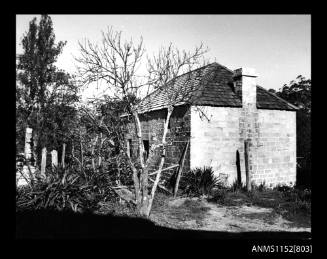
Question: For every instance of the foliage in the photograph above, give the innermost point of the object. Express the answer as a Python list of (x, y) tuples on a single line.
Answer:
[(65, 189), (200, 181), (44, 93), (261, 187), (218, 196), (236, 187), (123, 172), (298, 92), (294, 194)]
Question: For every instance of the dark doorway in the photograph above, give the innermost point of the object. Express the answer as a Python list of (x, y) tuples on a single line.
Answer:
[(146, 149)]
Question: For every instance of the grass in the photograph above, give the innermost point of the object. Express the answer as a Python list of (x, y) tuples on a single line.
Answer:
[(291, 203), (190, 210), (174, 214), (115, 207)]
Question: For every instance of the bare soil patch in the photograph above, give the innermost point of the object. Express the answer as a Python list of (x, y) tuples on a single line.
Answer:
[(241, 216)]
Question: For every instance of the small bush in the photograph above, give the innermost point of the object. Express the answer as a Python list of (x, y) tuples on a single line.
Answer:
[(120, 171), (236, 187), (200, 181), (261, 187), (218, 195), (283, 188)]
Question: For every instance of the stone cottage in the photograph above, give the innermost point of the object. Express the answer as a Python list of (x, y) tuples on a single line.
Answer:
[(222, 110)]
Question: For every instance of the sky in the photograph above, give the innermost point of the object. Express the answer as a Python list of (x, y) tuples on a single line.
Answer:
[(278, 47)]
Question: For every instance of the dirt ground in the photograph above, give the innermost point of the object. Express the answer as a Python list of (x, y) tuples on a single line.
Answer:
[(199, 214)]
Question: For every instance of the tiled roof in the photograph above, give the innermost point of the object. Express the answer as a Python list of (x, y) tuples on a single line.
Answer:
[(268, 100), (210, 85)]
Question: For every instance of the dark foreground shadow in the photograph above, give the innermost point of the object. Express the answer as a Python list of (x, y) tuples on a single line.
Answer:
[(53, 224)]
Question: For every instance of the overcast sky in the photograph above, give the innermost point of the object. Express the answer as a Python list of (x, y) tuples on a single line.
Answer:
[(277, 46)]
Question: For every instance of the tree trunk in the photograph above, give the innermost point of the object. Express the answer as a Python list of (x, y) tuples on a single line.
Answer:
[(92, 151), (100, 148), (143, 199), (81, 149), (139, 138), (118, 170), (54, 158), (138, 182), (43, 161), (156, 182), (63, 155)]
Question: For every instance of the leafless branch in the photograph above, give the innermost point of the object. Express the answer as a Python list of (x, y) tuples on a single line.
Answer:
[(113, 61)]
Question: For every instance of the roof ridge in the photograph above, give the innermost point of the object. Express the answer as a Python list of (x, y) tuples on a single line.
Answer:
[(203, 86), (281, 99), (223, 67)]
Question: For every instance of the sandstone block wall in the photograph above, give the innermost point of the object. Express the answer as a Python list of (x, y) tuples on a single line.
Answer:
[(217, 143), (275, 162), (217, 137)]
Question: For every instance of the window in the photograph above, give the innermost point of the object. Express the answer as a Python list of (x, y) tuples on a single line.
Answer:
[(146, 149)]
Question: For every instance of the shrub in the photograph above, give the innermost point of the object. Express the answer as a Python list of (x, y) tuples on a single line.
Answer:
[(200, 181), (297, 202), (219, 196), (295, 195), (120, 171), (236, 187), (64, 189), (261, 187)]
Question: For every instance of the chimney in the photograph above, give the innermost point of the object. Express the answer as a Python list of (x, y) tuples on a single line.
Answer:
[(245, 85)]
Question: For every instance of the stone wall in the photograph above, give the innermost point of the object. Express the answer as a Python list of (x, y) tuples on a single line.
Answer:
[(217, 137), (152, 124), (217, 140), (276, 151)]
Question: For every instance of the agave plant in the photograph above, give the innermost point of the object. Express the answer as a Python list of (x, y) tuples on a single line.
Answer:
[(63, 189), (200, 181)]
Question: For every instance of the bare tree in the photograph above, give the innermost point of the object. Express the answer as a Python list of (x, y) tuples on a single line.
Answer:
[(116, 62)]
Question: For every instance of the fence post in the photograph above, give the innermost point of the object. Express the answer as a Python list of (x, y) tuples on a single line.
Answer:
[(63, 155), (54, 158), (43, 161), (28, 146)]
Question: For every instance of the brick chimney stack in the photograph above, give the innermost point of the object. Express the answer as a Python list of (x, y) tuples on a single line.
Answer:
[(245, 85)]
